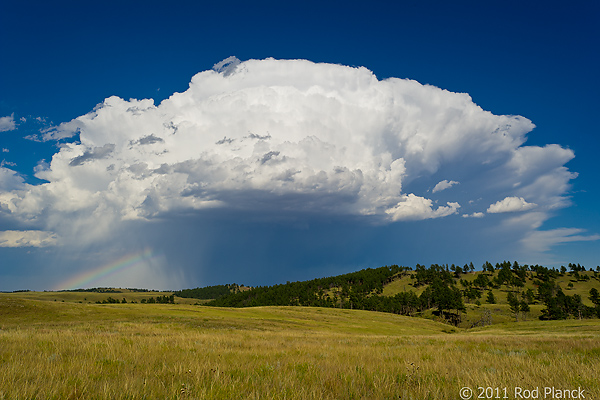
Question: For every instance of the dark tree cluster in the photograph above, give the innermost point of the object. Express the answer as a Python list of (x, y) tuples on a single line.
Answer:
[(208, 292), (426, 276), (110, 300), (562, 306), (159, 300), (95, 290), (152, 300), (576, 268), (558, 304)]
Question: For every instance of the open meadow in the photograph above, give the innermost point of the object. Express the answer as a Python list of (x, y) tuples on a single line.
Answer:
[(71, 348)]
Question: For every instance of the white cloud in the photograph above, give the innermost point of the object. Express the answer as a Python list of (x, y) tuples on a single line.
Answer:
[(510, 204), (414, 208), (285, 135), (27, 239), (5, 150), (443, 185), (7, 123)]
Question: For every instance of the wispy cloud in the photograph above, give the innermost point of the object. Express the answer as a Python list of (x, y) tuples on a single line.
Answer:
[(474, 215), (443, 185), (9, 163), (543, 240)]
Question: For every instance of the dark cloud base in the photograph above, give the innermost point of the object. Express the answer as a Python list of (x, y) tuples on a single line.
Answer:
[(240, 247)]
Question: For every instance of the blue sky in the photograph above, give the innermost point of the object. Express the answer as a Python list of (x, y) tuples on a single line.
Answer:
[(415, 132)]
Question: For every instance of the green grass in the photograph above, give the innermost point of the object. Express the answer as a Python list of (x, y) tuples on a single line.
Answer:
[(70, 350), (17, 311)]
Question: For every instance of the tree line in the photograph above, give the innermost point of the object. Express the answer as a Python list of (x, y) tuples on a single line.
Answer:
[(208, 292), (152, 300)]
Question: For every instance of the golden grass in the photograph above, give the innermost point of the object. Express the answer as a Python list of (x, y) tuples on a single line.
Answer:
[(55, 350)]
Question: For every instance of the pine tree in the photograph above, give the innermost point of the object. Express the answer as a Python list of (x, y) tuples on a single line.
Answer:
[(524, 307), (594, 296), (515, 305)]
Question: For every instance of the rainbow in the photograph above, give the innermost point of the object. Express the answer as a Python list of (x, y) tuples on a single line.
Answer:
[(87, 277)]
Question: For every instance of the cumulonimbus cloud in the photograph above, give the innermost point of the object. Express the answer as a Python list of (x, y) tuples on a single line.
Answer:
[(266, 135)]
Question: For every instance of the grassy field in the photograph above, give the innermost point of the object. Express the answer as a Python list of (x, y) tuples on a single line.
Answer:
[(69, 350)]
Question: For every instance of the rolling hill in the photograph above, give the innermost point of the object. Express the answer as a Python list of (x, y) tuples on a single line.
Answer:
[(460, 295)]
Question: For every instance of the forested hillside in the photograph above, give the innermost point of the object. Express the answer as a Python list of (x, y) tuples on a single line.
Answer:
[(346, 291), (439, 289)]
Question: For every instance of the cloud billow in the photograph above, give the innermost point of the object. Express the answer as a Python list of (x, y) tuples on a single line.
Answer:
[(7, 123), (510, 204), (290, 135)]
